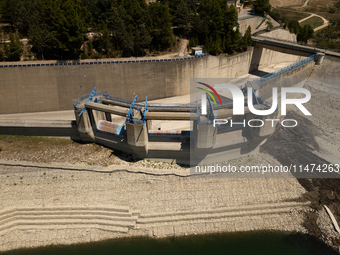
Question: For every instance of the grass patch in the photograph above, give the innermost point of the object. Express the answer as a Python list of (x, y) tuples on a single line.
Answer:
[(329, 16), (10, 143), (282, 3), (290, 14), (35, 140), (313, 21)]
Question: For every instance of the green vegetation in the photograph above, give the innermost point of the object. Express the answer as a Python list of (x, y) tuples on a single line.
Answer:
[(34, 140), (73, 29), (303, 33), (329, 37), (262, 6), (335, 8), (285, 15), (290, 19), (13, 50), (313, 22)]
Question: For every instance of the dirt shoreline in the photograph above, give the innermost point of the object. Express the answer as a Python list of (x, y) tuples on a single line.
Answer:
[(49, 173), (193, 206)]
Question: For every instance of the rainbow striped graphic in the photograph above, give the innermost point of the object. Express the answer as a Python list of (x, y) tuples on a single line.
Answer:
[(209, 93)]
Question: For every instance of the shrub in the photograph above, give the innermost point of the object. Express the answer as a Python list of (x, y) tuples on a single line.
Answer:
[(84, 56)]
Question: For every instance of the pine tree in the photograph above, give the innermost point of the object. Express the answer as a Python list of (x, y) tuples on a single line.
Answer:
[(13, 49), (41, 40), (161, 25), (230, 19), (182, 17), (247, 40), (142, 40), (262, 6), (66, 19), (236, 40), (305, 33), (122, 39)]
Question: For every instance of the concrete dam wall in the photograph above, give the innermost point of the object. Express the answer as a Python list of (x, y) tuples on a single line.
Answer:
[(55, 88), (274, 57)]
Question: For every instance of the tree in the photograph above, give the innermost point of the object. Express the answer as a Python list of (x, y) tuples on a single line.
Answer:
[(2, 52), (13, 49), (200, 28), (230, 19), (161, 26), (142, 39), (103, 43), (8, 11), (66, 21), (41, 40), (210, 12), (294, 26), (28, 14), (262, 6), (305, 33), (236, 40), (182, 17), (247, 40), (121, 38)]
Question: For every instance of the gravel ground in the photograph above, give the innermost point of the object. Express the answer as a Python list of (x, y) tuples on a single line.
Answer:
[(42, 172), (315, 140)]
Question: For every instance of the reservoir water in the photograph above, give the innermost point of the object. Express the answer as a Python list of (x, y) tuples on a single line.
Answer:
[(262, 243)]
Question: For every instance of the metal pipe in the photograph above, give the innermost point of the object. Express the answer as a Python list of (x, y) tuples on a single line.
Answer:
[(169, 109), (117, 110), (151, 108), (170, 116), (122, 104)]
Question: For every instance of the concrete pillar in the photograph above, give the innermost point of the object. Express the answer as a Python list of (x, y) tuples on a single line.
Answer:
[(256, 58), (108, 116), (319, 58), (205, 139), (137, 138), (85, 128)]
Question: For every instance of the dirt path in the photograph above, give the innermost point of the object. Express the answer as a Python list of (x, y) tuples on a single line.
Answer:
[(325, 22), (305, 4), (182, 50)]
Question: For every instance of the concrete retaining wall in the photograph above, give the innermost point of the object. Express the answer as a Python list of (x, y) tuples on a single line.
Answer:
[(287, 79), (274, 57), (257, 23), (56, 88), (270, 57)]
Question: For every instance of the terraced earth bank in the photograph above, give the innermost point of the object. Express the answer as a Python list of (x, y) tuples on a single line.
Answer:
[(316, 140)]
